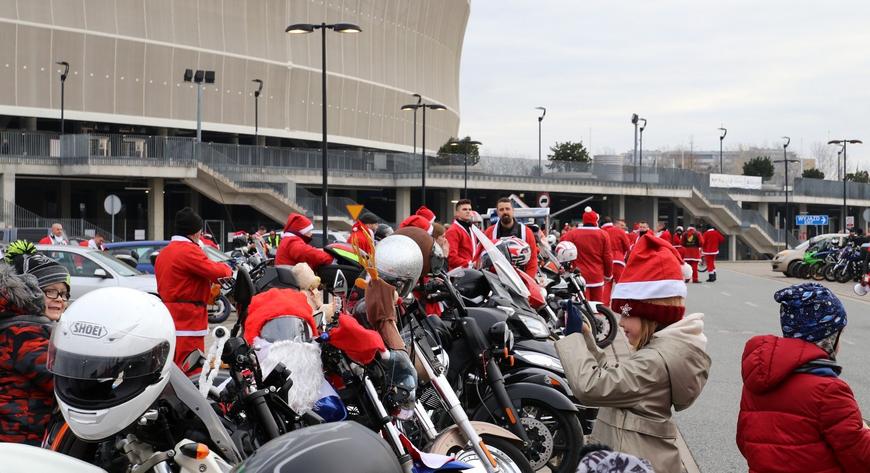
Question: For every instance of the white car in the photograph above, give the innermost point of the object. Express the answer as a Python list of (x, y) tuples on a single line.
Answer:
[(91, 269), (784, 261)]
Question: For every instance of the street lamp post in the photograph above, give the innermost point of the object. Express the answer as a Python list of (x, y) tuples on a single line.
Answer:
[(199, 77), (257, 110), (634, 120), (721, 139), (424, 106), (640, 147), (304, 28), (843, 143), (419, 101), (63, 76), (786, 162), (468, 142), (540, 119)]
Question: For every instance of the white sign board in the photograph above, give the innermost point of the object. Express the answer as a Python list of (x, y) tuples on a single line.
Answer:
[(139, 234), (850, 221), (544, 200), (112, 204), (735, 181)]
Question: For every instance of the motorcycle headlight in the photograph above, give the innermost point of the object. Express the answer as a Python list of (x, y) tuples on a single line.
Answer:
[(538, 328), (540, 359)]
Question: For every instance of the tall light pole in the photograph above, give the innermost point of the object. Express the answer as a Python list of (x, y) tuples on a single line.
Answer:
[(304, 28), (540, 119), (634, 120), (785, 161), (843, 144), (640, 147), (199, 77), (257, 110), (468, 142), (721, 139), (419, 101), (424, 106), (63, 76)]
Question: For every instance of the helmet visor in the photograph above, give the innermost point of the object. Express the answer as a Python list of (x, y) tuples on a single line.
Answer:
[(286, 328), (93, 367)]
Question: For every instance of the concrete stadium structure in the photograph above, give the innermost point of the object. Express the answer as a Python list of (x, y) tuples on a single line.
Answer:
[(127, 59)]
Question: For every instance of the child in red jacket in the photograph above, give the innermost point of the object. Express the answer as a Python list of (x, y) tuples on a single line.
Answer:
[(796, 413)]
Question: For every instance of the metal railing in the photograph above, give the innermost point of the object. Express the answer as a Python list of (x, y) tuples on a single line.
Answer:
[(17, 216)]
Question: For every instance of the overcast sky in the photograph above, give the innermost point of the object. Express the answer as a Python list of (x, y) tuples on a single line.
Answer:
[(762, 69)]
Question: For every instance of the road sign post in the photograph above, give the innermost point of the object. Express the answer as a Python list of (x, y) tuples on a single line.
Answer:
[(811, 220), (112, 205)]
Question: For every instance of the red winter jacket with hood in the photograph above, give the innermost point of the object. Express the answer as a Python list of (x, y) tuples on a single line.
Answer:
[(294, 247), (797, 421)]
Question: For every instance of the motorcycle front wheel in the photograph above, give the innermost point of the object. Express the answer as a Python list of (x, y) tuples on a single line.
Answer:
[(604, 325), (508, 457), (553, 433), (220, 311), (844, 274)]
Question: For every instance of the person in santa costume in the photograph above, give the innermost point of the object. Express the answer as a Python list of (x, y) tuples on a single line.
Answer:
[(426, 213), (663, 232), (417, 221), (508, 226), (295, 244), (619, 246), (362, 235), (594, 256), (667, 369), (463, 243), (710, 249), (677, 241), (692, 242), (184, 278)]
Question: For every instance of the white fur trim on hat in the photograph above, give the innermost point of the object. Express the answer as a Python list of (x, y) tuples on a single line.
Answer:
[(641, 290), (687, 271)]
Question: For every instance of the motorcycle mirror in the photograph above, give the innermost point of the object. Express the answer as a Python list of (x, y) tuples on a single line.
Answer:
[(339, 285), (243, 291)]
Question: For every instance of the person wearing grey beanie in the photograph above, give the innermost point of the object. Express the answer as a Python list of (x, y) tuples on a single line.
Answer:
[(52, 278)]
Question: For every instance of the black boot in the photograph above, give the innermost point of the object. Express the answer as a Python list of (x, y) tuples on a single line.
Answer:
[(711, 277)]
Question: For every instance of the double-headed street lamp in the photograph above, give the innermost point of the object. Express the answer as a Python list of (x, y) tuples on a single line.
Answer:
[(424, 106), (63, 76), (540, 119), (257, 109), (721, 139), (843, 143), (304, 28), (468, 142), (786, 162)]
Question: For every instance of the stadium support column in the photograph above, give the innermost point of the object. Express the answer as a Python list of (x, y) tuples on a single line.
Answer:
[(732, 247), (155, 209), (655, 213), (403, 203), (8, 208), (620, 207)]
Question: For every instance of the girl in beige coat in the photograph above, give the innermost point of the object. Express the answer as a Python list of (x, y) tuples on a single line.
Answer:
[(669, 366)]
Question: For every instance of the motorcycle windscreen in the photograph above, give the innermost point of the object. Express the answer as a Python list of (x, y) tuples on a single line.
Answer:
[(507, 274), (286, 328)]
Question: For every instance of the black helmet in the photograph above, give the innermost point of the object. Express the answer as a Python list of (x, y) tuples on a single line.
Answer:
[(398, 379), (324, 448), (383, 231), (280, 276)]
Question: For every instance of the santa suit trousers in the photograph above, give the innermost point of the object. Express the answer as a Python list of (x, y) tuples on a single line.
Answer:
[(711, 263)]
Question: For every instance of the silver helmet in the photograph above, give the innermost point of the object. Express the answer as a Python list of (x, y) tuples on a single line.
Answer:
[(399, 261)]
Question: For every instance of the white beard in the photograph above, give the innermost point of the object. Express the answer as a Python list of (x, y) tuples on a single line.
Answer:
[(303, 361)]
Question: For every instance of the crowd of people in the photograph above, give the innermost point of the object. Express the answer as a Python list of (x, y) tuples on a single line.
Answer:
[(795, 410)]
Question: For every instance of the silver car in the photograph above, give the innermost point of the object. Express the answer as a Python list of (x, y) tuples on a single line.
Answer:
[(91, 269)]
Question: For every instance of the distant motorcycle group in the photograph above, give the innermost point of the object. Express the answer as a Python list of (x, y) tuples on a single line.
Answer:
[(478, 386), (827, 261)]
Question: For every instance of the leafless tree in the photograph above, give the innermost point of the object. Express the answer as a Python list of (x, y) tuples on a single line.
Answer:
[(826, 159)]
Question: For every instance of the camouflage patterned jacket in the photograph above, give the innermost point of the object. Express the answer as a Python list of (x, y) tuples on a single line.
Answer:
[(26, 391)]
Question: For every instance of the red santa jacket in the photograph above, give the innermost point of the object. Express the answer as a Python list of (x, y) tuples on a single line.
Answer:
[(619, 243), (677, 240), (692, 242), (523, 233), (463, 246), (293, 249), (664, 235), (358, 237), (792, 421), (594, 258), (184, 278), (711, 241)]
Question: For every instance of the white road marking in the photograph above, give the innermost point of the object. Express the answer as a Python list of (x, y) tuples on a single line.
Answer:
[(750, 304), (726, 294)]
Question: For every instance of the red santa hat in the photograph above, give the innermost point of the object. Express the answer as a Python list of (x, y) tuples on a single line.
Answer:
[(417, 221), (653, 271), (275, 303), (424, 212), (590, 217), (298, 224)]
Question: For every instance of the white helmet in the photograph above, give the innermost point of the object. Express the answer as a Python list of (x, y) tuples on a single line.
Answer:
[(551, 239), (111, 355), (399, 261), (566, 252)]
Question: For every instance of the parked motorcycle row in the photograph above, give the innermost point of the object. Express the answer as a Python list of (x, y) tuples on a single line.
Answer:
[(478, 388), (829, 262)]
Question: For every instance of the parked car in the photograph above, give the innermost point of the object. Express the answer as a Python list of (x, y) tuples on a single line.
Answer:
[(784, 261), (143, 250), (91, 269)]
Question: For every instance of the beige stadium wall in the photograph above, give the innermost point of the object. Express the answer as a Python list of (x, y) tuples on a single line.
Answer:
[(127, 59)]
